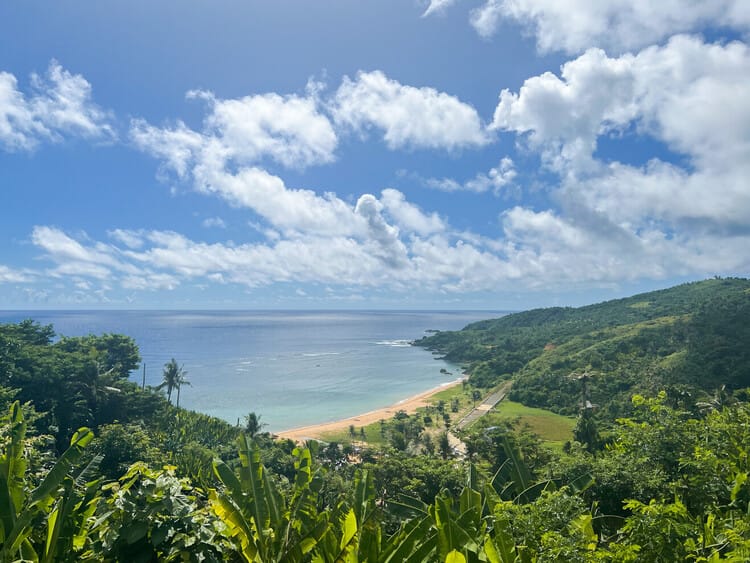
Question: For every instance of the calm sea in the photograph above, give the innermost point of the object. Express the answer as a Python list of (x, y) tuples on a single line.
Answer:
[(292, 368)]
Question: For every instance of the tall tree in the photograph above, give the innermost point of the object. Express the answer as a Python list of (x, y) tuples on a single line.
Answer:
[(173, 378), (253, 425)]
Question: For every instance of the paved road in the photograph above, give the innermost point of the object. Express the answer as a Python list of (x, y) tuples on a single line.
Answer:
[(459, 448), (484, 407)]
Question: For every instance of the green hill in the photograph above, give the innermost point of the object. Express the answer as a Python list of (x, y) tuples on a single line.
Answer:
[(690, 338)]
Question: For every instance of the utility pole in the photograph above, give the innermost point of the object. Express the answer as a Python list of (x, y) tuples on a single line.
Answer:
[(143, 385)]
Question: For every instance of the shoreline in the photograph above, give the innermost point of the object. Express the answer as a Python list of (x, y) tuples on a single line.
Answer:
[(410, 405)]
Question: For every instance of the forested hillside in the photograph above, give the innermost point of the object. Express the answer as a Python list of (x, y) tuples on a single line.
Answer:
[(688, 339)]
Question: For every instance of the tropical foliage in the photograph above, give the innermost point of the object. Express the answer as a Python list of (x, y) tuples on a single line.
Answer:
[(668, 482), (691, 505), (691, 338)]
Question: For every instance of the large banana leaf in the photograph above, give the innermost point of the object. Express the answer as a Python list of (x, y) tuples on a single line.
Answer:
[(54, 496), (256, 514), (12, 472)]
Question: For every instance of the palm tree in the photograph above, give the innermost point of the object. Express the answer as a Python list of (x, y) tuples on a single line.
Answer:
[(174, 378), (253, 425)]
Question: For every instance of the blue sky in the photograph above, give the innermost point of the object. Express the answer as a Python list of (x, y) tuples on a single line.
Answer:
[(488, 154)]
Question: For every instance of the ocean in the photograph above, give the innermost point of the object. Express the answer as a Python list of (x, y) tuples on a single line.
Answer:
[(293, 368)]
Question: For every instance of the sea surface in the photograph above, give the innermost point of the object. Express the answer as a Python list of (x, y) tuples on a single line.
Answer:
[(293, 368)]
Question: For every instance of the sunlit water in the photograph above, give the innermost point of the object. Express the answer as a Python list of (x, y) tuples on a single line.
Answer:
[(292, 368)]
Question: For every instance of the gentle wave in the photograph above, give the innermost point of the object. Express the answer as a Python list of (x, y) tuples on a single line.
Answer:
[(317, 354), (395, 343)]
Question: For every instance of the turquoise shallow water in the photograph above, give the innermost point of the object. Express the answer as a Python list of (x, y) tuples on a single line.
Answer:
[(292, 368)]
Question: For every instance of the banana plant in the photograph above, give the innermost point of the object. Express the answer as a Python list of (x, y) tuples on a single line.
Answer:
[(258, 517), (56, 500), (355, 534), (461, 531)]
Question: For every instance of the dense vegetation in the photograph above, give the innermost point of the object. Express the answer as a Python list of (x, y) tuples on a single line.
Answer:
[(95, 468), (688, 339)]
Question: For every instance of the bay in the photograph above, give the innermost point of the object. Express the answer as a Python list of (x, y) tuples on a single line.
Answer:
[(293, 368)]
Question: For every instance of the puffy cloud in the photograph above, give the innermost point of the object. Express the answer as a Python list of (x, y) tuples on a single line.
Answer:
[(648, 93), (538, 249), (60, 106), (663, 194), (612, 220), (497, 178), (457, 266), (564, 116), (380, 259), (486, 19), (291, 210), (409, 216), (408, 116), (617, 25), (223, 159), (653, 90), (619, 220), (177, 146), (328, 259), (288, 129), (382, 238)]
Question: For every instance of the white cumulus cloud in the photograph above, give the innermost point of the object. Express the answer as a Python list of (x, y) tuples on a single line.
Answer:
[(409, 117), (625, 219), (289, 129), (409, 216), (617, 25), (59, 106), (650, 93)]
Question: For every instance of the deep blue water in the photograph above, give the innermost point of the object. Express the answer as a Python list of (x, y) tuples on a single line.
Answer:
[(292, 368)]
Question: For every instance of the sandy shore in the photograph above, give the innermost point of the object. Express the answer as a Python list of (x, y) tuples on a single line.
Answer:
[(410, 405)]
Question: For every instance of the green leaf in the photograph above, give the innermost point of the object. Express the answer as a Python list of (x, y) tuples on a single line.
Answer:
[(28, 553), (12, 470), (136, 532), (46, 490), (739, 480), (455, 557), (503, 546), (470, 500), (490, 551), (251, 477), (235, 521), (349, 529), (55, 523), (414, 534)]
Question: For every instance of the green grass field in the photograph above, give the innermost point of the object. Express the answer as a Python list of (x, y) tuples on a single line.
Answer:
[(551, 427), (372, 436)]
